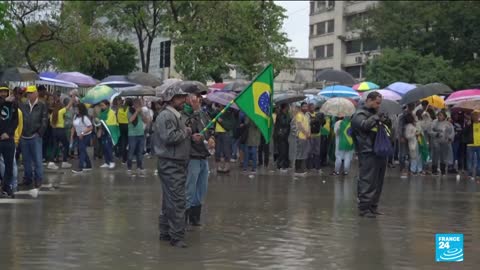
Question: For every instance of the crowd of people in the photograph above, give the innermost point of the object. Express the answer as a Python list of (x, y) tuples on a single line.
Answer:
[(41, 129)]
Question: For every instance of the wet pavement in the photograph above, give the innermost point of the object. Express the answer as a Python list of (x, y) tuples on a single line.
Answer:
[(108, 220)]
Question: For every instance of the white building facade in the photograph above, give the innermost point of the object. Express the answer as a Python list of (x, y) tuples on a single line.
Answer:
[(334, 43)]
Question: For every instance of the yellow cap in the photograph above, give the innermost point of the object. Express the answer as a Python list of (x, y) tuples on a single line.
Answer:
[(4, 88), (31, 89)]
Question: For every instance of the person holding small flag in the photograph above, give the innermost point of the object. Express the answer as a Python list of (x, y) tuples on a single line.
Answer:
[(344, 145)]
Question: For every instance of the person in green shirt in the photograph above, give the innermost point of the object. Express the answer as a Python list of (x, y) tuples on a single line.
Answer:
[(136, 135)]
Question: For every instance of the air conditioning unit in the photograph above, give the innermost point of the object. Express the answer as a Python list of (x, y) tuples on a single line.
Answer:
[(358, 60), (375, 56)]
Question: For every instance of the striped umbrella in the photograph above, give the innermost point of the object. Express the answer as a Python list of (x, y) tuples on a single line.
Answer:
[(338, 91), (463, 95), (365, 86)]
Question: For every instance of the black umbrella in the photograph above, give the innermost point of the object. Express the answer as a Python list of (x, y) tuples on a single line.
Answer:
[(424, 91), (236, 86), (287, 98), (144, 79), (194, 87), (19, 75), (312, 91), (136, 91), (390, 107), (336, 76)]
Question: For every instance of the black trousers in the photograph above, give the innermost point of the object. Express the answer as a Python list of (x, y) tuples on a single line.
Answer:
[(7, 151), (173, 176), (263, 154), (324, 146), (370, 180), (282, 159), (121, 148)]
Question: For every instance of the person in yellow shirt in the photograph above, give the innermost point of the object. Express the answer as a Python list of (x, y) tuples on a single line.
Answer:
[(472, 131), (122, 119), (59, 134), (302, 126)]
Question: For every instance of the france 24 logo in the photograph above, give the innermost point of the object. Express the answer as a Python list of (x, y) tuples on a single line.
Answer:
[(449, 247)]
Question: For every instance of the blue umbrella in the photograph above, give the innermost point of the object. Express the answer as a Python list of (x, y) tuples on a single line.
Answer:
[(401, 88), (338, 91), (48, 74)]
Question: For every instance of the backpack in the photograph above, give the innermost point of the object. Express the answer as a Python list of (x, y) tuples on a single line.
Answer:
[(382, 146), (315, 125)]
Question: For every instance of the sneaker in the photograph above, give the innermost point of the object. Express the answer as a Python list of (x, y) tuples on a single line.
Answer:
[(105, 165), (52, 166), (87, 169), (77, 171), (112, 165), (404, 175), (66, 165), (304, 174), (335, 173)]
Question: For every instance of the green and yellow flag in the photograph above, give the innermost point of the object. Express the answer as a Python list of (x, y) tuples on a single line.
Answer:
[(256, 102)]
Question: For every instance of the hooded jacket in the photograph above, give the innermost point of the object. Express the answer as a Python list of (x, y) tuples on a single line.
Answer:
[(363, 121), (197, 121), (170, 137), (8, 118)]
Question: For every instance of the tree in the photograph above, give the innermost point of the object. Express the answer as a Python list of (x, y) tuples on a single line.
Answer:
[(246, 36), (142, 17), (446, 29), (108, 57), (38, 23), (409, 66)]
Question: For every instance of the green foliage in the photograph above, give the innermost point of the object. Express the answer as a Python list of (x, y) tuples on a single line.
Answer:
[(247, 35), (437, 32)]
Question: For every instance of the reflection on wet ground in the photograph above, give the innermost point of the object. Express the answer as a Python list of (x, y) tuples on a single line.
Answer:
[(108, 220)]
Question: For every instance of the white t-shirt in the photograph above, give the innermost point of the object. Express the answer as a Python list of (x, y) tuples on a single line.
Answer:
[(80, 126)]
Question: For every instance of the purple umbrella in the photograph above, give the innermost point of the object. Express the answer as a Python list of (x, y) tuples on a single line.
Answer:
[(401, 88), (386, 94), (48, 74), (223, 98), (78, 78)]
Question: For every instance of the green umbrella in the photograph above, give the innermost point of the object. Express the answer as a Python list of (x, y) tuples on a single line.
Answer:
[(100, 93)]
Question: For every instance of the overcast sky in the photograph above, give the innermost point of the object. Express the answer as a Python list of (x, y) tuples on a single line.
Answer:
[(296, 25)]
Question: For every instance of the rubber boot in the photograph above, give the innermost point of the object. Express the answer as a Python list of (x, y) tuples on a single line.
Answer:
[(434, 169), (442, 168), (195, 216)]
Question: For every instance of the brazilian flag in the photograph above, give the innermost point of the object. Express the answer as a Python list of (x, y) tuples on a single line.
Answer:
[(256, 102), (345, 142), (423, 147)]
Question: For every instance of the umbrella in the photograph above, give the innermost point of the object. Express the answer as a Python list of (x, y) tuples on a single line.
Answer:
[(470, 105), (19, 75), (424, 91), (390, 107), (144, 79), (99, 93), (77, 78), (194, 87), (160, 89), (287, 98), (223, 98), (137, 91), (386, 94), (338, 91), (337, 76), (48, 74), (463, 95), (312, 91), (365, 86), (401, 88), (435, 101), (217, 86), (236, 86), (338, 107), (117, 81), (315, 99), (55, 82)]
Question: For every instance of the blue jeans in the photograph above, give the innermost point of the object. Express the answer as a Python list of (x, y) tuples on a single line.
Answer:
[(83, 159), (473, 152), (32, 156), (250, 153), (107, 145), (135, 146), (14, 172), (197, 182)]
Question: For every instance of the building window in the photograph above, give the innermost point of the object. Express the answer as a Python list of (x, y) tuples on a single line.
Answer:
[(311, 30), (330, 26), (324, 51), (312, 7), (355, 71), (165, 54), (321, 28), (369, 45), (330, 4), (353, 46)]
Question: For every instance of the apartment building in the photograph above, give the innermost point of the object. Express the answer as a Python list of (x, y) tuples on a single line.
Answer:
[(334, 38)]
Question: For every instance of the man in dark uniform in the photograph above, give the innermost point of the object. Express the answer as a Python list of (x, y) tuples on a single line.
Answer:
[(171, 143), (371, 167)]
